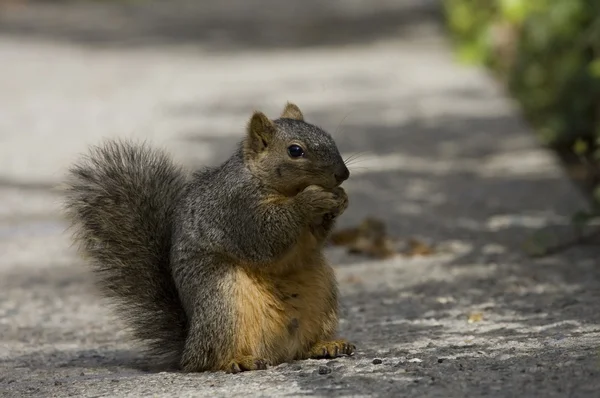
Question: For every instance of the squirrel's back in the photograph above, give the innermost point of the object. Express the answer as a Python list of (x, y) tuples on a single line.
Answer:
[(120, 200)]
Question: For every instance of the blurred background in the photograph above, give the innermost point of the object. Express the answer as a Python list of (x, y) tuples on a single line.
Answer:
[(545, 54)]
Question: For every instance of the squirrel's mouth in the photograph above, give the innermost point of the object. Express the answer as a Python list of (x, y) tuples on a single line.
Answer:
[(337, 181)]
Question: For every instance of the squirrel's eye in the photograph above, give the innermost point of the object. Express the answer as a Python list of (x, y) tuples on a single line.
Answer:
[(295, 151)]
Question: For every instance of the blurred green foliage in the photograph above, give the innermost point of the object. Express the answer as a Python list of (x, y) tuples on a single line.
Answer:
[(547, 52)]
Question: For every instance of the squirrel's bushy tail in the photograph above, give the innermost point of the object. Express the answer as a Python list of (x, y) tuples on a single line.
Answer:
[(120, 200)]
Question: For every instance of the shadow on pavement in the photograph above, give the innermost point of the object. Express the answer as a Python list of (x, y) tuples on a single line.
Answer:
[(218, 25)]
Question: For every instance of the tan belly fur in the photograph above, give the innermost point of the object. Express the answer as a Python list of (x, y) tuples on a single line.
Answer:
[(281, 316)]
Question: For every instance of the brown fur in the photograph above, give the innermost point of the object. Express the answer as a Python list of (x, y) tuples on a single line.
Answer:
[(291, 111), (283, 313), (276, 199)]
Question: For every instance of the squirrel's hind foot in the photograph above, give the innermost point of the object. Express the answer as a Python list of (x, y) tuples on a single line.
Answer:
[(247, 363), (331, 349)]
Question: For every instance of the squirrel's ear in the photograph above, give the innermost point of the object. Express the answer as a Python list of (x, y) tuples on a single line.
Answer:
[(291, 111), (260, 132)]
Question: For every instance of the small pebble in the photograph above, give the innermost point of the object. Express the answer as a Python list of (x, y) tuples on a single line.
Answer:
[(323, 370), (440, 360), (377, 361)]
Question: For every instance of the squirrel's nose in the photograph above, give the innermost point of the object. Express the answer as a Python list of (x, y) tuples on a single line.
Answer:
[(342, 174)]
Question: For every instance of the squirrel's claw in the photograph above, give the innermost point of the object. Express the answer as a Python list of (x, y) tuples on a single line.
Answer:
[(331, 349), (247, 363)]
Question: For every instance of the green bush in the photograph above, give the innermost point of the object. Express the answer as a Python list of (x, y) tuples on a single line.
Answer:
[(548, 54)]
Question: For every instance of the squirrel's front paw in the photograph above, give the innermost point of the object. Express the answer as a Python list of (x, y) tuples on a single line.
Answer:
[(331, 349), (320, 201), (342, 201), (246, 363)]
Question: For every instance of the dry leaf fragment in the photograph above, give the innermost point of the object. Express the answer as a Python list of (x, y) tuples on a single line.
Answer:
[(418, 248), (353, 279), (369, 238), (344, 237), (475, 317)]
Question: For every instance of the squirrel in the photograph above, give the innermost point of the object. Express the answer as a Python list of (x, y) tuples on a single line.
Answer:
[(221, 269)]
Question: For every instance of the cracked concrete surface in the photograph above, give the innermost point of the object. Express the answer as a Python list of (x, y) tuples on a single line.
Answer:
[(444, 157)]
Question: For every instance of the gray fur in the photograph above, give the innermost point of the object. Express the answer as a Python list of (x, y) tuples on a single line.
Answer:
[(165, 249), (120, 200), (320, 144)]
